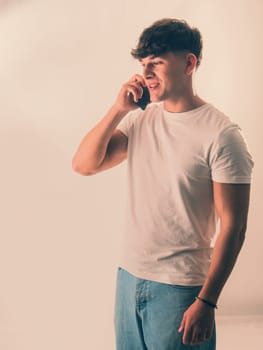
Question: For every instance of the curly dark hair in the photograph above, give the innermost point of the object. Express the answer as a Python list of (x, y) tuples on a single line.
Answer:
[(169, 35)]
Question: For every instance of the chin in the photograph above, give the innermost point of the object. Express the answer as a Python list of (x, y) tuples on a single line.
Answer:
[(156, 99)]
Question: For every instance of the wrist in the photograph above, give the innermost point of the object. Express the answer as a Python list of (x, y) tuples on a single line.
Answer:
[(124, 108), (118, 110), (207, 302)]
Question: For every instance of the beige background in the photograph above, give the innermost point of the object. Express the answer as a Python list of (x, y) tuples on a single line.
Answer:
[(61, 65)]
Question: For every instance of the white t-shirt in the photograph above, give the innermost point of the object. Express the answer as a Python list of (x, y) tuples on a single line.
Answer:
[(172, 160)]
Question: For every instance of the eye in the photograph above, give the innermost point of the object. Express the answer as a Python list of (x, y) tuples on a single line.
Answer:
[(156, 63)]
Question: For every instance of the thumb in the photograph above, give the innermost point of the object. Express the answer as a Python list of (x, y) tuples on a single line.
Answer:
[(181, 328)]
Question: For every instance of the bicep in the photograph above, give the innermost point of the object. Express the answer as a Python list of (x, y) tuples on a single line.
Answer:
[(116, 151), (117, 147), (231, 203)]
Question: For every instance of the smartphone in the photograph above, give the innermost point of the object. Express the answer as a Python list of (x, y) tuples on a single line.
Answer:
[(145, 99)]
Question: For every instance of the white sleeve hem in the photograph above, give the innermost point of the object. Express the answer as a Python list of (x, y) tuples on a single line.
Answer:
[(124, 132), (233, 180)]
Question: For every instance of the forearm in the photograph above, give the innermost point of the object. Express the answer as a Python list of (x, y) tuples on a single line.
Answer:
[(231, 203), (92, 149), (225, 253)]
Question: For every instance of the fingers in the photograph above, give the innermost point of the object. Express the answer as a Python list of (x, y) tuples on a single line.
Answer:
[(186, 338), (130, 93), (134, 86), (208, 334), (193, 336), (197, 336), (187, 335), (197, 324), (181, 328), (138, 79), (135, 89)]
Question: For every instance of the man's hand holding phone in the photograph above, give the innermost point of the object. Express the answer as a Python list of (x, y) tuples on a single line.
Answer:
[(133, 94)]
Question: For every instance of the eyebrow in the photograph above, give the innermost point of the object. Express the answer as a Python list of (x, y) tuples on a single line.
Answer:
[(152, 57)]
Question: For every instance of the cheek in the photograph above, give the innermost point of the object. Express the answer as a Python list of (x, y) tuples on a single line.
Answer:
[(176, 71), (177, 80), (170, 75), (176, 74)]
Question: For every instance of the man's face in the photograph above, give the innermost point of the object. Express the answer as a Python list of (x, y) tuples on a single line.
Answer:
[(165, 76)]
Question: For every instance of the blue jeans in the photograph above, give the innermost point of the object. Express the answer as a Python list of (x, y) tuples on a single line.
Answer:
[(148, 314)]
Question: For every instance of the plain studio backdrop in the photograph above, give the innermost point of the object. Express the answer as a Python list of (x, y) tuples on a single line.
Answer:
[(62, 64)]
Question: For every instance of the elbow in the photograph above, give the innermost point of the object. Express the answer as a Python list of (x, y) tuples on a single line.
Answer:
[(236, 232), (81, 169), (242, 234), (239, 232)]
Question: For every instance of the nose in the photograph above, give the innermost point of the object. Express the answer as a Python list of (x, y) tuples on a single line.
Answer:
[(148, 71)]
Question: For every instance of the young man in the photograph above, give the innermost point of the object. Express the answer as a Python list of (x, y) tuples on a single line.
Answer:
[(188, 165)]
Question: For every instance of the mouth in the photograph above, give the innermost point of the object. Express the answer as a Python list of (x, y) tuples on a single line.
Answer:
[(153, 86)]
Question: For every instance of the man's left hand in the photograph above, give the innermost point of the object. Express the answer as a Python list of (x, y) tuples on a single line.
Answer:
[(197, 324)]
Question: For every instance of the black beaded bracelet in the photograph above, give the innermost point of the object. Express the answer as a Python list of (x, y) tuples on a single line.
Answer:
[(207, 302)]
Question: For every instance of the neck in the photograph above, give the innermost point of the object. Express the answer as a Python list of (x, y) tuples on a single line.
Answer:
[(185, 99), (183, 103)]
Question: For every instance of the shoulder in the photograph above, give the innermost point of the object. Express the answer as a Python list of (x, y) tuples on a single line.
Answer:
[(138, 118), (215, 119), (221, 127)]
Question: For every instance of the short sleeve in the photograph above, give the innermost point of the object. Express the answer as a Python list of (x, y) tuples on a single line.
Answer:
[(230, 159), (127, 122)]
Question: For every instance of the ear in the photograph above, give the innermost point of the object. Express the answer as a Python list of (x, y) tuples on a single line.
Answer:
[(191, 62)]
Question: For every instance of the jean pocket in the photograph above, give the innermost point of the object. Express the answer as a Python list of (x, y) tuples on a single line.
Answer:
[(184, 295)]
